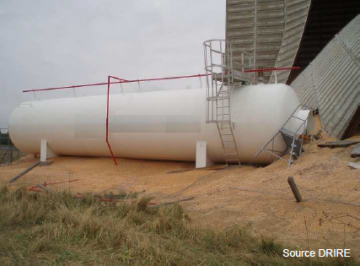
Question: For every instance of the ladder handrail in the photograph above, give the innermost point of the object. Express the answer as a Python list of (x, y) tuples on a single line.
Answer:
[(220, 84), (290, 134), (300, 105)]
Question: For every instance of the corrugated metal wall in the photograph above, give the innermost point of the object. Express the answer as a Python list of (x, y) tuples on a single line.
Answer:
[(257, 27), (326, 18), (296, 14), (332, 81), (271, 30)]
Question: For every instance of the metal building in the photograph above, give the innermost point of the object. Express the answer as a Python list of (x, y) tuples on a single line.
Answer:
[(283, 33), (270, 30), (331, 82)]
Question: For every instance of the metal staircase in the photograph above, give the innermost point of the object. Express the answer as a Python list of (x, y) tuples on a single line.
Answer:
[(293, 142), (221, 80)]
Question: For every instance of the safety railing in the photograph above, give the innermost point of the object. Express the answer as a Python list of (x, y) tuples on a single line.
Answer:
[(300, 131), (108, 84), (222, 74), (121, 81)]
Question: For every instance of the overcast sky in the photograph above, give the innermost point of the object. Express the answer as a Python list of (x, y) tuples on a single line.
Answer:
[(50, 43)]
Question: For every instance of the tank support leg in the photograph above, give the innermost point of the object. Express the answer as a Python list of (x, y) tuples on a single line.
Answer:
[(45, 151), (202, 159)]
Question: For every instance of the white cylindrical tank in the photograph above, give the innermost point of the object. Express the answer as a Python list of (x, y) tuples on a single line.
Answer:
[(161, 125)]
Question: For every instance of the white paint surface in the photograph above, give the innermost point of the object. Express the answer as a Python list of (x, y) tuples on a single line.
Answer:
[(155, 125), (45, 151), (202, 158)]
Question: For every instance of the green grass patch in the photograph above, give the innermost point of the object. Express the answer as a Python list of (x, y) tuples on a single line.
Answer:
[(57, 228)]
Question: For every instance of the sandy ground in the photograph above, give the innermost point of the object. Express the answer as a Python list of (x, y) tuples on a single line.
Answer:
[(328, 217)]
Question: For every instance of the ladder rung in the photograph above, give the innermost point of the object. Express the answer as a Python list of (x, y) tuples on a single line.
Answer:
[(212, 98), (231, 153), (298, 118)]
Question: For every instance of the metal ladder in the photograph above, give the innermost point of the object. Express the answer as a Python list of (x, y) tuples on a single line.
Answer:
[(221, 80), (225, 125), (293, 143)]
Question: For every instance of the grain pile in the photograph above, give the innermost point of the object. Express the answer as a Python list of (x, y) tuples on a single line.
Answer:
[(100, 175), (329, 216)]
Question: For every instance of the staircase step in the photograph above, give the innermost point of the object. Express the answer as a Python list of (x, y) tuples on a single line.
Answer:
[(289, 140)]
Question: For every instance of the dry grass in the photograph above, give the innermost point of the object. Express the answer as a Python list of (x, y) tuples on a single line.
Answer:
[(57, 228)]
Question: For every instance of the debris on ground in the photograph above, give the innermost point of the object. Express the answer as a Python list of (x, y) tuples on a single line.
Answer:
[(338, 144), (355, 151)]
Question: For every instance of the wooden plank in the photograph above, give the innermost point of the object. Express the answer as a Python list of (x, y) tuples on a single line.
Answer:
[(23, 172), (355, 151), (338, 144), (294, 189)]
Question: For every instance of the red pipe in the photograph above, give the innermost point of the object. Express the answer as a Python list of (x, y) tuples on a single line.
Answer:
[(107, 119), (36, 188), (120, 80), (74, 86)]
